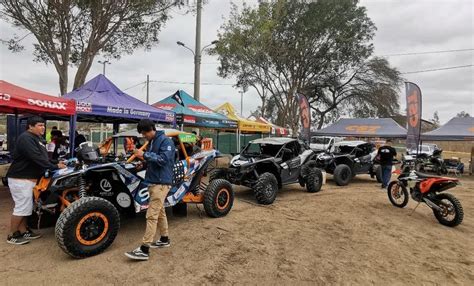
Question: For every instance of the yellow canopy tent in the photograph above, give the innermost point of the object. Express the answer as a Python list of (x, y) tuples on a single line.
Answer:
[(245, 125)]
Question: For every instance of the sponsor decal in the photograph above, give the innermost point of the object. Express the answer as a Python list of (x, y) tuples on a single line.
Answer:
[(166, 106), (189, 119), (124, 200), (200, 109), (127, 111), (5, 96), (169, 117), (363, 129), (83, 106), (47, 104), (105, 185)]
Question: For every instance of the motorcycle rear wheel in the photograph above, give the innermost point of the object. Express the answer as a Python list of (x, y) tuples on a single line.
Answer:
[(397, 194), (452, 213)]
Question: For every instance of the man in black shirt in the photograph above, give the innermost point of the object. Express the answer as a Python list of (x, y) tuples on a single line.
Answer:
[(30, 161), (386, 154)]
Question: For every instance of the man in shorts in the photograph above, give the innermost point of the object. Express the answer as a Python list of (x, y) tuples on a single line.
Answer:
[(30, 161)]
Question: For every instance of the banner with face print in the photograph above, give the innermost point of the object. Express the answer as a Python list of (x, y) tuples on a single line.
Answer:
[(305, 115), (413, 96)]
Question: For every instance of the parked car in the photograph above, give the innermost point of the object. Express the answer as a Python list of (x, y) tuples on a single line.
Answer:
[(323, 143), (266, 164), (427, 149), (348, 159)]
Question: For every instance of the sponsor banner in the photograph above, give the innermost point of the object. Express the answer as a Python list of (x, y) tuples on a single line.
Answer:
[(165, 106), (201, 109), (305, 115), (363, 129), (413, 98)]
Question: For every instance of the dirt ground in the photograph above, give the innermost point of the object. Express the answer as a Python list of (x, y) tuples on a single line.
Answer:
[(341, 235)]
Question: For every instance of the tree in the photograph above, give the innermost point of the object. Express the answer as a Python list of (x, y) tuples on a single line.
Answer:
[(463, 114), (282, 48), (435, 119), (73, 32), (366, 89)]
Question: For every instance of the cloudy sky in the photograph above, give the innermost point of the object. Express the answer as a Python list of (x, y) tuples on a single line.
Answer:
[(403, 26)]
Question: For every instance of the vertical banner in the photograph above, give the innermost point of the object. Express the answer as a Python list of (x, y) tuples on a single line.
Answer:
[(177, 97), (305, 115), (413, 95)]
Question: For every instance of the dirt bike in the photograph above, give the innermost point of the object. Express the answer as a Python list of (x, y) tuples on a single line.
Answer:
[(427, 189)]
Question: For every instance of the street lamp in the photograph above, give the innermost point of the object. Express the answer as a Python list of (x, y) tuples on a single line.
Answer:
[(197, 66), (106, 62)]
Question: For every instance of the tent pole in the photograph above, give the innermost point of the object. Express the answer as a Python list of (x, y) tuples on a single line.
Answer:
[(72, 134), (116, 128)]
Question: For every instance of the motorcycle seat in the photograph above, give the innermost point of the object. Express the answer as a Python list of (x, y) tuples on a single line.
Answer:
[(425, 176)]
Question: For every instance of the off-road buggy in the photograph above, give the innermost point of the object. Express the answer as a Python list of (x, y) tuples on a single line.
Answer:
[(266, 164), (88, 197), (348, 159)]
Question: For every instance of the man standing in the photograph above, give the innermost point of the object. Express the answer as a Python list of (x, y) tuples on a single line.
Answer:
[(30, 161), (159, 159), (386, 154)]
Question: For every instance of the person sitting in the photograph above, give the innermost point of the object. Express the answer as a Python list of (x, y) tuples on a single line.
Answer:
[(78, 140)]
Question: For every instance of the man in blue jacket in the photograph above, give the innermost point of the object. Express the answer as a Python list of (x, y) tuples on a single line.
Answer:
[(159, 159)]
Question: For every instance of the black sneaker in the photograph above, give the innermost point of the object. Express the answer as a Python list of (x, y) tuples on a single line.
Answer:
[(30, 235), (137, 254), (17, 238), (161, 244)]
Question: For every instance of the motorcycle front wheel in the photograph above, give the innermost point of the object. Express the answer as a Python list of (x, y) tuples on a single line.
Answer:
[(397, 194), (451, 213)]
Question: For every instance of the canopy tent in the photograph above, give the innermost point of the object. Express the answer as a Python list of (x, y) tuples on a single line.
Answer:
[(18, 100), (244, 125), (275, 130), (456, 129), (100, 99), (193, 113), (15, 100), (364, 127)]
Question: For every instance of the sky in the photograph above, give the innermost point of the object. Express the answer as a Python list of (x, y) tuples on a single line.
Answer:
[(403, 26)]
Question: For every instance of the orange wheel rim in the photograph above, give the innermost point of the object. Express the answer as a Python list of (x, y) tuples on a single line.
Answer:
[(223, 199), (86, 220)]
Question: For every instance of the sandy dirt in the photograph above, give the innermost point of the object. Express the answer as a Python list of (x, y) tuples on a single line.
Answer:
[(341, 235)]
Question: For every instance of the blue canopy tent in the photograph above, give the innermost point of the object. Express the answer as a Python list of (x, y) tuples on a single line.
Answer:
[(99, 100), (364, 127), (456, 129), (191, 112)]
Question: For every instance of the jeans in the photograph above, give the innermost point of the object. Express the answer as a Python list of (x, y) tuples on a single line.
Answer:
[(386, 174)]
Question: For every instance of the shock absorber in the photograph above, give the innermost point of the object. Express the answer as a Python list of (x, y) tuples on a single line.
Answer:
[(82, 186)]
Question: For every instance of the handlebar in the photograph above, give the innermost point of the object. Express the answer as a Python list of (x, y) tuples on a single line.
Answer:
[(134, 156)]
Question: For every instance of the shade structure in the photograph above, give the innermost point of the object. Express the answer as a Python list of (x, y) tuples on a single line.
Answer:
[(276, 130), (364, 127), (99, 98), (17, 100), (245, 125), (456, 129), (191, 112)]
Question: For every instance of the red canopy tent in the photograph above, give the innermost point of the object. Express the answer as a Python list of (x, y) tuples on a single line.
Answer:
[(15, 100), (276, 130)]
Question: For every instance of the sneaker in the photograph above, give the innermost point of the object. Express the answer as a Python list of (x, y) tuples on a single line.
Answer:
[(160, 244), (30, 235), (17, 238), (137, 254)]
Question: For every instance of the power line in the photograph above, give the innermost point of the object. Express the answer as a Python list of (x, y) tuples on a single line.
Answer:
[(429, 52), (135, 85), (438, 69), (202, 83)]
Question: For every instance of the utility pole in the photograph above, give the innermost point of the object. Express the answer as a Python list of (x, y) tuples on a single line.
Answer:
[(147, 89), (197, 55), (241, 103), (103, 63)]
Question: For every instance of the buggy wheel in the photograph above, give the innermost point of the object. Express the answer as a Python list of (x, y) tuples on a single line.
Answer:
[(87, 227), (218, 198), (397, 194), (266, 188), (314, 180), (218, 173), (342, 175), (452, 213)]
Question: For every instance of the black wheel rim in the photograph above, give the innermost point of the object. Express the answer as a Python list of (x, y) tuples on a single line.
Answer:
[(92, 228), (222, 199)]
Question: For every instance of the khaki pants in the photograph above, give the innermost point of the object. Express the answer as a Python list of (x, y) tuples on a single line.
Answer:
[(156, 215)]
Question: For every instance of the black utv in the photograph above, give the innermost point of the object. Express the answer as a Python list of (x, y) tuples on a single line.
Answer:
[(266, 164), (347, 159)]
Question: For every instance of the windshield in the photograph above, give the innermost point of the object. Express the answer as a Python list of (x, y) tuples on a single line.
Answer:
[(320, 140), (255, 149)]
